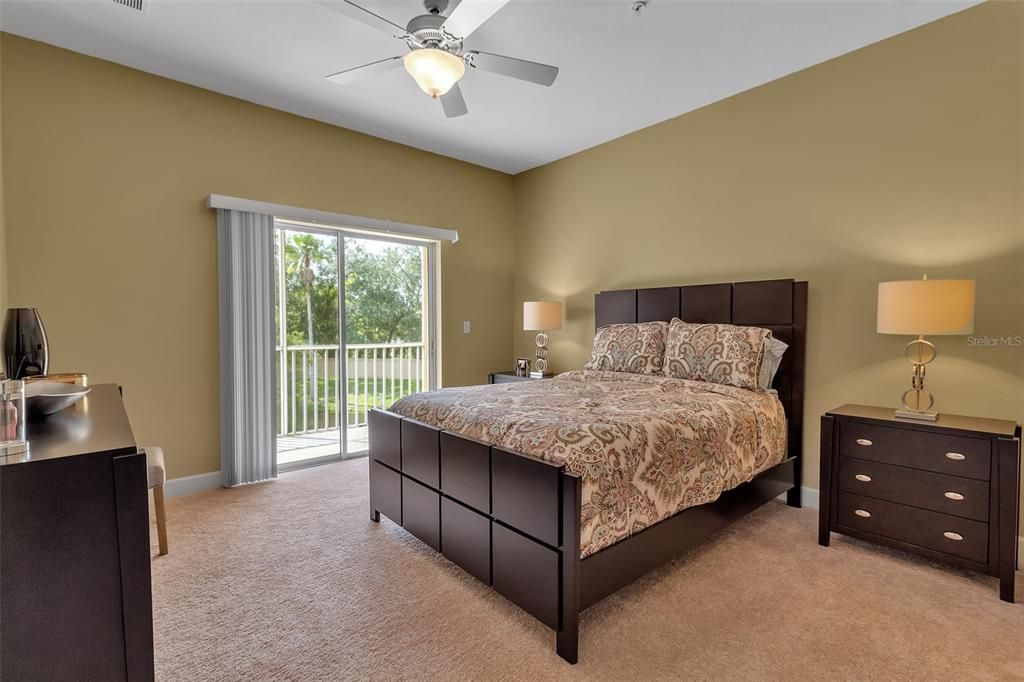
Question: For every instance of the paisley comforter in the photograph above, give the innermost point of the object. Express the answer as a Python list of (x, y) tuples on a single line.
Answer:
[(646, 446)]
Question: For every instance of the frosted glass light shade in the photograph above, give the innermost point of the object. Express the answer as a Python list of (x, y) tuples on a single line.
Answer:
[(435, 71), (926, 307), (541, 316)]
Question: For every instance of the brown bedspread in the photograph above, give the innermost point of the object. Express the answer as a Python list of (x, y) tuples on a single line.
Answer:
[(646, 446)]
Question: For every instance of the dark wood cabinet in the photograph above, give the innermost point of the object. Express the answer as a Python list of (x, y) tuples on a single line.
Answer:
[(510, 377), (75, 587), (948, 490)]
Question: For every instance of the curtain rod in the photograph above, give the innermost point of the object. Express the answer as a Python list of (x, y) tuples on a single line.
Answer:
[(313, 215)]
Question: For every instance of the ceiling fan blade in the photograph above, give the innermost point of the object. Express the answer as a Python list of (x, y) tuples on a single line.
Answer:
[(524, 70), (454, 103), (469, 15), (359, 72), (361, 14)]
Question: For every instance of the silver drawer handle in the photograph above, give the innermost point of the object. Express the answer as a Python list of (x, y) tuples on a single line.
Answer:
[(953, 536), (862, 513), (954, 496), (956, 456), (863, 441), (862, 477)]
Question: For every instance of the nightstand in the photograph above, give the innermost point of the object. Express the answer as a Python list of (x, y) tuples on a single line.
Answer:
[(509, 378), (948, 490)]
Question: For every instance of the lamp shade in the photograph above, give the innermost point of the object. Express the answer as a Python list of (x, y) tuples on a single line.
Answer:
[(541, 316), (926, 307), (435, 71)]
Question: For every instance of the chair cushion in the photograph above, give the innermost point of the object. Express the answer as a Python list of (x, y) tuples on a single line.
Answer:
[(155, 461)]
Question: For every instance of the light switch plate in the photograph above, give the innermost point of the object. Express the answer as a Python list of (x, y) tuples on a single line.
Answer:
[(465, 326)]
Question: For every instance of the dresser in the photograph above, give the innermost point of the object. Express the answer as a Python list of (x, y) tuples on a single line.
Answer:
[(947, 490), (75, 588)]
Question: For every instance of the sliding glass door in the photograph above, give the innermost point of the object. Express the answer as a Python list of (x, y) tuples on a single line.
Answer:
[(355, 331)]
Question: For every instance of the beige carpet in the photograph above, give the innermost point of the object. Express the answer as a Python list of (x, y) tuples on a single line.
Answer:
[(290, 580)]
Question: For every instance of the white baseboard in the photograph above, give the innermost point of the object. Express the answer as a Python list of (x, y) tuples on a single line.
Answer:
[(190, 485), (809, 497)]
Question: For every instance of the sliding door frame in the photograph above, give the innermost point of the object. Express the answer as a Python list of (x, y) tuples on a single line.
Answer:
[(432, 303)]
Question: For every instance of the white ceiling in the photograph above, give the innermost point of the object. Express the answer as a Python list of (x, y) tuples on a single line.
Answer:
[(619, 72)]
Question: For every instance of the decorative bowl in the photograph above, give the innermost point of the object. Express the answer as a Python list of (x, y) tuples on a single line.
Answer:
[(48, 397)]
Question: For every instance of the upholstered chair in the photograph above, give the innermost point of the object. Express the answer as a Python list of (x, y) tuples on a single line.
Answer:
[(157, 478)]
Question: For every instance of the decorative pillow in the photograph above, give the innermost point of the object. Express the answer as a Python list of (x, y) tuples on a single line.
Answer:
[(719, 353), (637, 348)]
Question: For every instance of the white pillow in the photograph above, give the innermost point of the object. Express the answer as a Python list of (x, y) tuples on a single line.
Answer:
[(773, 350)]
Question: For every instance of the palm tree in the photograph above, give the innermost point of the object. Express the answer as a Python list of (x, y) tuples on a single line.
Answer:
[(309, 256)]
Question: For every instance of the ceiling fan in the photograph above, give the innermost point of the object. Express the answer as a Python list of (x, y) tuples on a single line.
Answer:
[(436, 60)]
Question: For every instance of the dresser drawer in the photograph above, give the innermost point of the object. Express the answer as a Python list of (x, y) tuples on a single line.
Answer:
[(953, 495), (955, 455), (940, 532)]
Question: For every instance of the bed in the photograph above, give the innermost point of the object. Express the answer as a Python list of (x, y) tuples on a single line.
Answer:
[(556, 493)]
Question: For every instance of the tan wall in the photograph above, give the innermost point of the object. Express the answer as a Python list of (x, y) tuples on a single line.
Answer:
[(899, 159), (107, 170)]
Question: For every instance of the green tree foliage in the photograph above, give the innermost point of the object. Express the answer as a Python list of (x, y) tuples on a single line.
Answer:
[(311, 287), (383, 290)]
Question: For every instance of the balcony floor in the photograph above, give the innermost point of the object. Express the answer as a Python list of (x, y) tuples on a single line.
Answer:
[(320, 444)]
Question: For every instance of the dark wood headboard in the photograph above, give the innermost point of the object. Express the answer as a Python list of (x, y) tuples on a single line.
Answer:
[(777, 304)]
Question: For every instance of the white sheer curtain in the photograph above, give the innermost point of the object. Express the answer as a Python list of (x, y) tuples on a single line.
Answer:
[(247, 381)]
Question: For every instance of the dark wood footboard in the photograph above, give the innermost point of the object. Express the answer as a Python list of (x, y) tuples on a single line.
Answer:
[(510, 520), (513, 521)]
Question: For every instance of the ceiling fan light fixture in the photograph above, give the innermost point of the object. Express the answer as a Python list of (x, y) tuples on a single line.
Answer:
[(434, 70)]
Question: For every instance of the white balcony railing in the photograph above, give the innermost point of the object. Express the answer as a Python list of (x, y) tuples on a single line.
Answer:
[(310, 392)]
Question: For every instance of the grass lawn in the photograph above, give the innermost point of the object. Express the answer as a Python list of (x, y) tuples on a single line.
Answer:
[(361, 398)]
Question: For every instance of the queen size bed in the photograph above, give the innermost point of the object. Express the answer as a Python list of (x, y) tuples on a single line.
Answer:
[(558, 492)]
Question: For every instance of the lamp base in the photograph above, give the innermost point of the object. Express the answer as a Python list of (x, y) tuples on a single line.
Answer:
[(917, 402), (541, 375), (919, 416)]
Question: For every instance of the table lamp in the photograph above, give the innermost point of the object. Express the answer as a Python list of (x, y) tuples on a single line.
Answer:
[(541, 316), (924, 307)]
